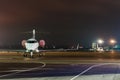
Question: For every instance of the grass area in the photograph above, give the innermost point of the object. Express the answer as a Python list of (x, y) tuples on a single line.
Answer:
[(113, 55), (107, 55), (61, 57)]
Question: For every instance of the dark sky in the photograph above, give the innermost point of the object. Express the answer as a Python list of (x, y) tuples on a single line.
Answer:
[(68, 22)]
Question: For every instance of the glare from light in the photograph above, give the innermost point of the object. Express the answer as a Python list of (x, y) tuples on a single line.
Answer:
[(112, 41), (100, 41)]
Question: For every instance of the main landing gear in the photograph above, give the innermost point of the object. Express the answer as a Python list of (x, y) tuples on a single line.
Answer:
[(32, 54)]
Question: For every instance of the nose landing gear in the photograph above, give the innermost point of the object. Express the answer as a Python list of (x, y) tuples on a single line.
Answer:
[(31, 54)]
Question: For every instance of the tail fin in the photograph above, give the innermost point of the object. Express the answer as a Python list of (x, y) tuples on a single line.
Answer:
[(34, 33)]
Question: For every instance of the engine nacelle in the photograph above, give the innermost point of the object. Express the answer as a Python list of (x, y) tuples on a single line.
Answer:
[(23, 43), (42, 43)]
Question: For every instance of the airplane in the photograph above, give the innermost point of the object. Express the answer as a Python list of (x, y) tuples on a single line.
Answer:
[(31, 45)]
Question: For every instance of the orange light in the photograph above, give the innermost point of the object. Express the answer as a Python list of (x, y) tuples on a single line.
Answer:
[(112, 41)]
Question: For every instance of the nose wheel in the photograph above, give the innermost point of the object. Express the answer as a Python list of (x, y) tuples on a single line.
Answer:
[(31, 54)]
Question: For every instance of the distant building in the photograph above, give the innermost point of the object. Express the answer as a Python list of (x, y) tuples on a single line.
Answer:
[(95, 47)]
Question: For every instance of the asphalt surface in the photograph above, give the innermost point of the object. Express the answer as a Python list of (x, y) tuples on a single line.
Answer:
[(16, 67), (58, 71)]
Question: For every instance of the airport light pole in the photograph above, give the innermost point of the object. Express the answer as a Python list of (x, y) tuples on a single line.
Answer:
[(100, 41), (99, 45), (112, 42)]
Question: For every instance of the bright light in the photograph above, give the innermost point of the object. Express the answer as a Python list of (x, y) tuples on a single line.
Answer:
[(112, 41), (100, 41)]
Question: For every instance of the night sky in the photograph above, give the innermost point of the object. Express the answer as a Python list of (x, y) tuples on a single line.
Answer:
[(62, 22)]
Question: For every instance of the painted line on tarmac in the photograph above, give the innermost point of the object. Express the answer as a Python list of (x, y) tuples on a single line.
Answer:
[(31, 69), (91, 67)]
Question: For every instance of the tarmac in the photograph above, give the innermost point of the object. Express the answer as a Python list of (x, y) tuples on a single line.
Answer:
[(16, 67)]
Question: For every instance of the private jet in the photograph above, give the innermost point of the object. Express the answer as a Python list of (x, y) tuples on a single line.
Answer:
[(32, 45)]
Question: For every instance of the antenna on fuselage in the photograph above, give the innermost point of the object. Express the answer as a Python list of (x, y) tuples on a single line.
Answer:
[(34, 33)]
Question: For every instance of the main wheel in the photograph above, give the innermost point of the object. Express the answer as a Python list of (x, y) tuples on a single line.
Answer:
[(25, 55)]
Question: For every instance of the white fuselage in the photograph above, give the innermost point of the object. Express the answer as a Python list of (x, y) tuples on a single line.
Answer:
[(32, 45)]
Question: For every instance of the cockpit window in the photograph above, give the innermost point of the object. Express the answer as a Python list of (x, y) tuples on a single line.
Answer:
[(31, 41)]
